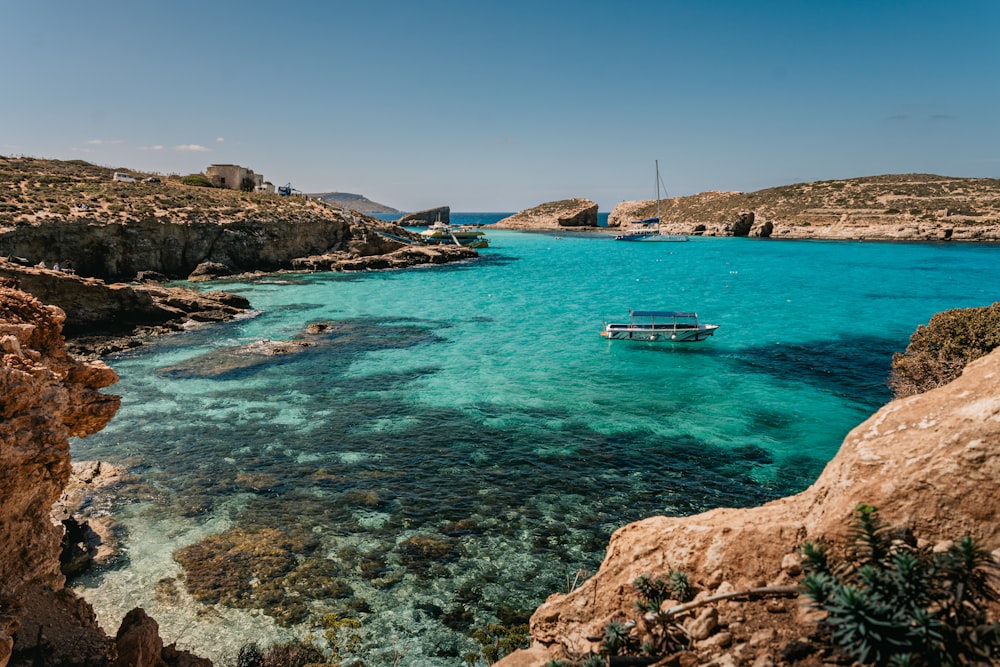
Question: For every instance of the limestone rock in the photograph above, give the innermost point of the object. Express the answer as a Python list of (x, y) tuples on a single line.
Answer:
[(139, 645), (929, 463), (426, 217), (563, 214), (90, 304), (46, 396), (895, 207)]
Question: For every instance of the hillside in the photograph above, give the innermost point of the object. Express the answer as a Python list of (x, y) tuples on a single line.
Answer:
[(897, 207), (352, 202), (38, 190)]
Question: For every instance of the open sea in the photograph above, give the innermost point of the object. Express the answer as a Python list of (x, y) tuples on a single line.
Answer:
[(460, 442)]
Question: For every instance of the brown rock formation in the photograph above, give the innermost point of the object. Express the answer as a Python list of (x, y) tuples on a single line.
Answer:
[(404, 257), (930, 463), (563, 214), (46, 397), (103, 318), (426, 217), (904, 207)]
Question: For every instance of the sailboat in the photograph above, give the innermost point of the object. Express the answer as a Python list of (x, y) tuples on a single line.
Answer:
[(649, 229)]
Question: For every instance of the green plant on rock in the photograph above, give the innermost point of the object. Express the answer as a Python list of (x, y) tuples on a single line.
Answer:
[(198, 180), (618, 639), (938, 352), (497, 640), (892, 603)]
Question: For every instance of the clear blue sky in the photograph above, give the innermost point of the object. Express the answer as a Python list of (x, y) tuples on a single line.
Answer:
[(500, 106)]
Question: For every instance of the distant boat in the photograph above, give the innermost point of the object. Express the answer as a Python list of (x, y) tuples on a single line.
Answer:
[(471, 236), (649, 229), (659, 326)]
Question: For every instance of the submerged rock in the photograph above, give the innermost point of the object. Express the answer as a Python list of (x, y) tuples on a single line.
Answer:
[(929, 463)]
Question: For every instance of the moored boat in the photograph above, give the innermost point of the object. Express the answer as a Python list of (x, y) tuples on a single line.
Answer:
[(649, 229), (471, 236), (659, 326)]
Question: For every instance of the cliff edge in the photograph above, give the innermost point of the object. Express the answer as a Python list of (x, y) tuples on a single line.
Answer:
[(47, 396), (930, 463)]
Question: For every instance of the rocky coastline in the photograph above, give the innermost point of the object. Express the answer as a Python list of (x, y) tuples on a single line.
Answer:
[(904, 207), (47, 397), (106, 252), (928, 462)]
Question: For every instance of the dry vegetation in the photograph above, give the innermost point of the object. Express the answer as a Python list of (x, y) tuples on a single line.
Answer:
[(891, 199), (36, 190), (939, 351)]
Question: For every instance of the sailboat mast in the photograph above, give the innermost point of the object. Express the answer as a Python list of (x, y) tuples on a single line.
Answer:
[(657, 163)]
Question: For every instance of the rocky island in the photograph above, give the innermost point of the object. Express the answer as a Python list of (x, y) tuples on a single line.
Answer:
[(902, 207), (564, 214)]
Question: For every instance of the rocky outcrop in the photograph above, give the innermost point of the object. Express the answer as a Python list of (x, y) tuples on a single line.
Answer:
[(563, 214), (905, 207), (95, 308), (119, 251), (426, 217), (46, 396), (405, 257), (930, 463)]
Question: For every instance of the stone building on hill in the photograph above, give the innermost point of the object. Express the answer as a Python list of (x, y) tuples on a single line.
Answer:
[(235, 177)]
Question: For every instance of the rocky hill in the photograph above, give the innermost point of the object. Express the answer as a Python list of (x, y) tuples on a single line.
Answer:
[(352, 202), (890, 207), (575, 213)]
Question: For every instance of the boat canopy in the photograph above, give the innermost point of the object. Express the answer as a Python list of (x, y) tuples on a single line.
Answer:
[(647, 221), (660, 313)]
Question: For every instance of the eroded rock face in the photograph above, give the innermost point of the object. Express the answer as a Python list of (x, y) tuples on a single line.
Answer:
[(563, 214), (119, 251), (426, 217), (91, 304), (930, 463), (46, 396)]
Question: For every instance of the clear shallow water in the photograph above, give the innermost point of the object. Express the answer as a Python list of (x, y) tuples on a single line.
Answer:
[(462, 441)]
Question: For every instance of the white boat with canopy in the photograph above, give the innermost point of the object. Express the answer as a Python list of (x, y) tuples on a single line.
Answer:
[(659, 326)]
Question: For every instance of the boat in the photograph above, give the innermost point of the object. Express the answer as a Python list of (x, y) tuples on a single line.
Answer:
[(471, 236), (649, 229), (659, 326)]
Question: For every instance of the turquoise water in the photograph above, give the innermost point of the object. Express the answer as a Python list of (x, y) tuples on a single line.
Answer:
[(461, 442)]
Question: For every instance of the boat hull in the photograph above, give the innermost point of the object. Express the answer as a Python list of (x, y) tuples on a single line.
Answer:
[(659, 334), (647, 236)]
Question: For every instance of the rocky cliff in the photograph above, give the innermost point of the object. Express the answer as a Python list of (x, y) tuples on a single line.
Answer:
[(930, 463), (426, 217), (919, 207), (46, 397), (73, 214), (563, 214)]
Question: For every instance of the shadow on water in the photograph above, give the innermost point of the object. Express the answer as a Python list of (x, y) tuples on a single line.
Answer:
[(855, 368)]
